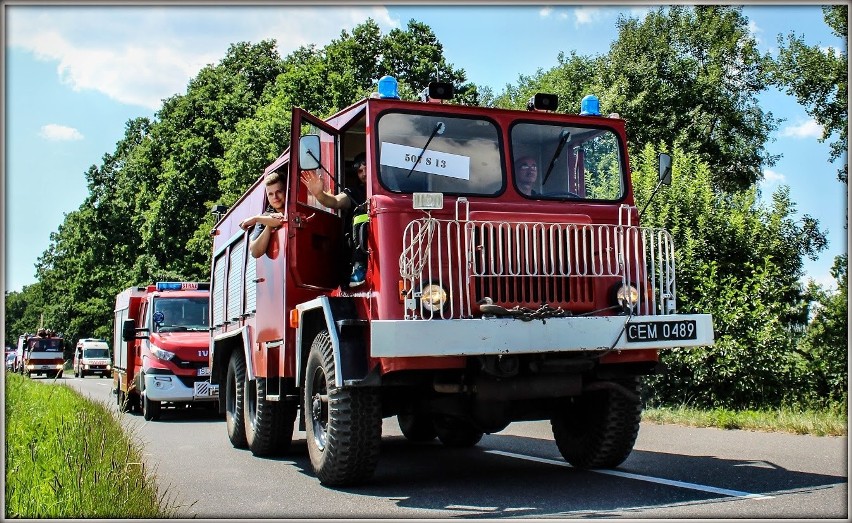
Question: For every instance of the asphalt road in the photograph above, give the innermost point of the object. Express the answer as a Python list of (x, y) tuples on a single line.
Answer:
[(673, 472)]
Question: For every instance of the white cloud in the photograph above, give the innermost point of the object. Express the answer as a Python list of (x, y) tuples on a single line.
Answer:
[(586, 15), (771, 177), (544, 12), (59, 133), (808, 129), (110, 49)]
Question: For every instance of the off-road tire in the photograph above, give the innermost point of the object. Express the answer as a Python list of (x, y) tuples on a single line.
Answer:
[(268, 424), (599, 428), (150, 408), (455, 433), (235, 400), (417, 426), (343, 433)]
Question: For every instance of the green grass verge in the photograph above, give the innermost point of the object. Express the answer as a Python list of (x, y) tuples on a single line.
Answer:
[(817, 423), (67, 457)]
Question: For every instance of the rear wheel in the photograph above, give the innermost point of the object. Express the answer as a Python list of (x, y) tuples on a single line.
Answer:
[(343, 425), (235, 400), (599, 428), (268, 424)]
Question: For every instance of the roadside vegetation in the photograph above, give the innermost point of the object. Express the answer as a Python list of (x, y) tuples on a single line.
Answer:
[(824, 422), (68, 457)]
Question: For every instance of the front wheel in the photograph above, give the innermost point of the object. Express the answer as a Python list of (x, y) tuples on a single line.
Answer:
[(150, 408), (455, 433), (417, 426), (599, 428), (343, 425)]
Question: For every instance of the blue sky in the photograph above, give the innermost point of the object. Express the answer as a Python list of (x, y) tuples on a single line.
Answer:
[(74, 75)]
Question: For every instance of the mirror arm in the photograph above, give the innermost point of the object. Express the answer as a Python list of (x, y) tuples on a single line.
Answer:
[(330, 177), (653, 193)]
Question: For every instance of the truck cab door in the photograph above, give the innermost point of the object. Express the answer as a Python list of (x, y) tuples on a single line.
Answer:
[(315, 247)]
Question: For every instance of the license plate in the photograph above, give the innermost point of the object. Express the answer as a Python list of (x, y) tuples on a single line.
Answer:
[(662, 330), (205, 389), (204, 371)]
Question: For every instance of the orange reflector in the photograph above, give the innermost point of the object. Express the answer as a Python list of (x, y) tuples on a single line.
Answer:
[(403, 290), (294, 318)]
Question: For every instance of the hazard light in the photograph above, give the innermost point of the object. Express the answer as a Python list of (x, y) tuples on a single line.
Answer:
[(388, 87)]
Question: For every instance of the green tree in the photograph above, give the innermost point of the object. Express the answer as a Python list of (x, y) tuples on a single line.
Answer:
[(817, 77), (825, 344), (683, 74), (741, 261)]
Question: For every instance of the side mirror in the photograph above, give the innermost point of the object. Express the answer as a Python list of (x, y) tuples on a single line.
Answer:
[(309, 152), (665, 168), (128, 330)]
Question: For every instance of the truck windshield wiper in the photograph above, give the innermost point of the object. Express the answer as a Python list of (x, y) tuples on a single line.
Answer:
[(564, 135), (439, 129)]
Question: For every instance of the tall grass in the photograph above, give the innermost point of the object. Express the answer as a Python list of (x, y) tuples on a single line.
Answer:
[(67, 456), (797, 421)]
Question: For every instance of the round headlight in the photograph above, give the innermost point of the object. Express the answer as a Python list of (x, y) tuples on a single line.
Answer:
[(433, 298), (627, 296)]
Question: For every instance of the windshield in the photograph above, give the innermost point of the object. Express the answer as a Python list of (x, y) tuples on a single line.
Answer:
[(96, 353), (180, 314), (49, 345), (566, 162), (457, 155)]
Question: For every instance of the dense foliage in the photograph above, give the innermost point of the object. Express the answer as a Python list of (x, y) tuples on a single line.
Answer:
[(686, 80)]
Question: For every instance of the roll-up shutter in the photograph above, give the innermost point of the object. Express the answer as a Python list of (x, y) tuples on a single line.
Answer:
[(235, 280), (251, 285), (218, 307)]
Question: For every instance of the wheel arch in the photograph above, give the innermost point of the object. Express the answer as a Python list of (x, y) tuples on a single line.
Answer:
[(221, 348), (345, 328)]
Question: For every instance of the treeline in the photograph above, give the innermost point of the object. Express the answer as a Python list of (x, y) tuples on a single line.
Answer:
[(686, 79)]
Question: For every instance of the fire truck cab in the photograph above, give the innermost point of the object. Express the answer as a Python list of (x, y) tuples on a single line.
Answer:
[(507, 279)]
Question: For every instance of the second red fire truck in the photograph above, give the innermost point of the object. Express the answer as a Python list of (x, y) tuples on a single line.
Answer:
[(486, 300), (160, 347)]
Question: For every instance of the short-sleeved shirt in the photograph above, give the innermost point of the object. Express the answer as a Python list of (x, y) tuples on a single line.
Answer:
[(258, 227)]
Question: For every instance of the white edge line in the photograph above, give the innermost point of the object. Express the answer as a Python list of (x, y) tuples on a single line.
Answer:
[(650, 479)]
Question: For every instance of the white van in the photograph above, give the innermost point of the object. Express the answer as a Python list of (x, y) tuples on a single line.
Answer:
[(92, 357)]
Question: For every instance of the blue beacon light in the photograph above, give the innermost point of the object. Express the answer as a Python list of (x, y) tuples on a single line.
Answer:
[(590, 106), (388, 87)]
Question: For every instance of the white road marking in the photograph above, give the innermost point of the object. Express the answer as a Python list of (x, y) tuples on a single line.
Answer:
[(639, 477)]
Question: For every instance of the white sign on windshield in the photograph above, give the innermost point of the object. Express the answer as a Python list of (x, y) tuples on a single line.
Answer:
[(433, 162)]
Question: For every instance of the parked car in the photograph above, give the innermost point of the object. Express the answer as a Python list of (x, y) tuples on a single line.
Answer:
[(10, 361)]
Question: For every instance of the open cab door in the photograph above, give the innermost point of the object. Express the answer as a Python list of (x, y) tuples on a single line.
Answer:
[(315, 249)]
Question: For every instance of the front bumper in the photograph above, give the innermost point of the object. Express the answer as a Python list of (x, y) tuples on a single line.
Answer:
[(495, 336), (168, 387)]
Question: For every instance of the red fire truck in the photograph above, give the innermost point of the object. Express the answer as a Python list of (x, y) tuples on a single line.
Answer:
[(160, 340), (40, 353), (486, 301)]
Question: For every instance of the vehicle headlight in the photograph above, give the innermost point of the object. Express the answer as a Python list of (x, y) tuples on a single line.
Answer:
[(433, 298), (162, 354), (627, 296)]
